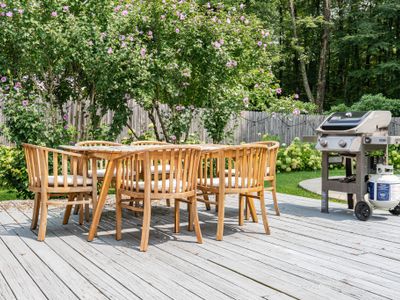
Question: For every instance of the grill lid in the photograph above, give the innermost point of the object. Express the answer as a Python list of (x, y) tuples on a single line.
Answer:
[(355, 122), (343, 120)]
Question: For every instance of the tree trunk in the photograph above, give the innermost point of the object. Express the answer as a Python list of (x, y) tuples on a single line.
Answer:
[(303, 70), (321, 87)]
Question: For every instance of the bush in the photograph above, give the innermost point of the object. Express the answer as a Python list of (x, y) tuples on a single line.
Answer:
[(371, 102)]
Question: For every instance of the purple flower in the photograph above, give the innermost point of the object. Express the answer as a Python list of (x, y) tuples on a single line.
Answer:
[(217, 45), (231, 64), (124, 12), (150, 34), (259, 43), (122, 37), (110, 50), (173, 138), (20, 11), (25, 103), (182, 17), (6, 88), (3, 5), (66, 127), (177, 30), (143, 52), (242, 18), (296, 96), (296, 111), (66, 8), (17, 86), (117, 8), (123, 44), (54, 14), (278, 91), (65, 117), (9, 14), (179, 107), (3, 79)]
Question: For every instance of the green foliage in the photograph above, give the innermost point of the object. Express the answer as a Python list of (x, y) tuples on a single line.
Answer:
[(13, 174), (372, 102), (298, 156), (288, 105)]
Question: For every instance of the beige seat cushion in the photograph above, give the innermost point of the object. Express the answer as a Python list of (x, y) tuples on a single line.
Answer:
[(167, 169), (70, 180), (159, 185), (234, 172), (100, 173), (215, 182)]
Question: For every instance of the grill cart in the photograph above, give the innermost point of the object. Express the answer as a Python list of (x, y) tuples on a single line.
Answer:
[(354, 136)]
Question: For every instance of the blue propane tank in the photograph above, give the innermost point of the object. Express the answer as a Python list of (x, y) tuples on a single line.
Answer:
[(384, 188)]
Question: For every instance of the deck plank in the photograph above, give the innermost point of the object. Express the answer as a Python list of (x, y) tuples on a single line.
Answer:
[(308, 256)]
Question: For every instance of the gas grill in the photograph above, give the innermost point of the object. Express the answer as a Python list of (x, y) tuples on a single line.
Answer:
[(352, 136)]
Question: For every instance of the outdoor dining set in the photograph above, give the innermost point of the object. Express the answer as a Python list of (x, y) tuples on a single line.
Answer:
[(147, 171)]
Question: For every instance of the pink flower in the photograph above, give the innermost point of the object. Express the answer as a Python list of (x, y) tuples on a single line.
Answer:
[(143, 52), (217, 45), (122, 38), (117, 8), (179, 107), (65, 8), (124, 12), (296, 111), (278, 91), (3, 79), (25, 103), (9, 14), (20, 11), (162, 17), (231, 64), (3, 5), (173, 138), (66, 127), (241, 6), (296, 96), (182, 17), (242, 18), (17, 86), (246, 101), (123, 44), (110, 50), (54, 14), (65, 117), (259, 43), (177, 30)]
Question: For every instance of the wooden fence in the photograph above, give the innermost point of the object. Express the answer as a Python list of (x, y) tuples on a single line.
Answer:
[(249, 127)]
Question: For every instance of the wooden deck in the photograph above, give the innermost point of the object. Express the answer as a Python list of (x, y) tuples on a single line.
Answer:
[(308, 256)]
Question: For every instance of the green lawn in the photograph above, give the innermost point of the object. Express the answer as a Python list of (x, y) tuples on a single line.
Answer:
[(7, 195), (288, 183)]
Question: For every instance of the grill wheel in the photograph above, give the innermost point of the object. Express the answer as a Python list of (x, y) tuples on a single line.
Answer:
[(362, 211)]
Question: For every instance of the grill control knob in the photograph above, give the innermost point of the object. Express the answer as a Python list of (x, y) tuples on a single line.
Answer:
[(342, 143), (367, 140), (323, 142)]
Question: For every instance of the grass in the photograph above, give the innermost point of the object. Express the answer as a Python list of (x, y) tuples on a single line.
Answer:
[(288, 183), (7, 195)]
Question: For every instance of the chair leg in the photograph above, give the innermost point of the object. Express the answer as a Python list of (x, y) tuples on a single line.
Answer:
[(264, 212), (177, 226), (241, 210), (76, 209), (207, 203), (247, 210), (252, 209), (43, 217), (221, 213), (118, 216), (68, 209), (35, 213), (87, 212), (146, 224), (195, 219), (190, 216), (277, 212), (168, 202)]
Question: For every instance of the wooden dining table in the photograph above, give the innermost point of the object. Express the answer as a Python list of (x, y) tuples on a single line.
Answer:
[(111, 154)]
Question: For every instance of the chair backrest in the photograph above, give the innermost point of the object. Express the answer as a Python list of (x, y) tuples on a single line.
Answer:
[(239, 167), (167, 170), (140, 143), (43, 162), (273, 148), (97, 143)]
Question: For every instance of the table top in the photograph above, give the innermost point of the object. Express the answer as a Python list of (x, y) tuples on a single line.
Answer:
[(125, 149)]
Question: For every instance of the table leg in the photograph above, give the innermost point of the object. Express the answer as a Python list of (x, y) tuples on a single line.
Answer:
[(102, 199)]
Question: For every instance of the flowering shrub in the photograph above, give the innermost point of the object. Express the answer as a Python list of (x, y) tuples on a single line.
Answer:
[(298, 156)]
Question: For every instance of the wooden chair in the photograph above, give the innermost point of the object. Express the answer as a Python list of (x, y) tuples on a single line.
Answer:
[(234, 170), (270, 170), (54, 172), (141, 143), (155, 143), (135, 180)]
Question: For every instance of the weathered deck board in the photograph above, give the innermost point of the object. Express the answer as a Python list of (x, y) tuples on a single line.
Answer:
[(308, 256)]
